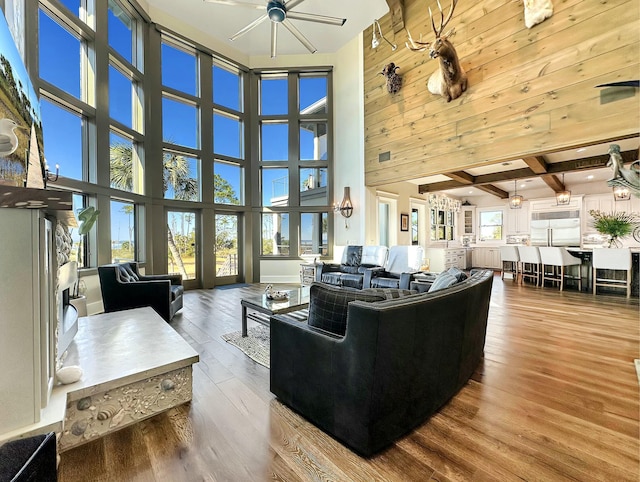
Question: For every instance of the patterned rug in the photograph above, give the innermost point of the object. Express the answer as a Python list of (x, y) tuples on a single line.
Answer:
[(255, 345)]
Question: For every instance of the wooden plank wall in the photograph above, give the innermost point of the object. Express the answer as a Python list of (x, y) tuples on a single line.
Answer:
[(531, 91)]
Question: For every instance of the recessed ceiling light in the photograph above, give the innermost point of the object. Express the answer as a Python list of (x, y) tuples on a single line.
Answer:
[(582, 149), (506, 163), (470, 192), (590, 176), (523, 185)]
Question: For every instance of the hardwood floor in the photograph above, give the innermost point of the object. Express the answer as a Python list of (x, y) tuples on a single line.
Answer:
[(556, 398)]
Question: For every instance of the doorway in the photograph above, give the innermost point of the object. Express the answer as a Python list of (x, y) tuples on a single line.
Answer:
[(183, 246), (227, 257)]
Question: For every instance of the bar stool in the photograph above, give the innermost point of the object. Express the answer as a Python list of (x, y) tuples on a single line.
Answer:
[(529, 262), (559, 258), (509, 254), (618, 259)]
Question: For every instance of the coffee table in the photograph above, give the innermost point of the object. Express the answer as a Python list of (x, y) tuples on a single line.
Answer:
[(262, 308)]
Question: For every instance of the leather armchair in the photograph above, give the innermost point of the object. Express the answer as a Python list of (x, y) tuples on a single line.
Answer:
[(29, 459), (123, 288)]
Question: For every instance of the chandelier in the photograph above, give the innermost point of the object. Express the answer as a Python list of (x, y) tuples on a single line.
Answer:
[(444, 203)]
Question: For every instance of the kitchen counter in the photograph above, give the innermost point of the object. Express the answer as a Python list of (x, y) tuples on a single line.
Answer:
[(585, 254)]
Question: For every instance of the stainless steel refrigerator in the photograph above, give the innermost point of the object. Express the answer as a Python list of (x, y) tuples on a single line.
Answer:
[(555, 228)]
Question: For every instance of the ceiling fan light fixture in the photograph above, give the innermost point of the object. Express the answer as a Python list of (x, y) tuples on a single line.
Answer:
[(276, 11)]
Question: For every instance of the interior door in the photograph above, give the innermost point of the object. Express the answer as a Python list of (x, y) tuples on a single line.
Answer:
[(183, 246)]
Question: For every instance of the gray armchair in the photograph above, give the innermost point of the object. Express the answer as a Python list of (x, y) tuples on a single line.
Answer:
[(403, 262), (123, 288)]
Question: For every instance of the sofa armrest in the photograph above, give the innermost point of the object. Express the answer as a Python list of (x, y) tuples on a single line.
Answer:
[(30, 458), (371, 273), (175, 279)]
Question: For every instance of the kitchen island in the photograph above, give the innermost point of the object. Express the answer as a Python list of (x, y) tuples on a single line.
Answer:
[(585, 254)]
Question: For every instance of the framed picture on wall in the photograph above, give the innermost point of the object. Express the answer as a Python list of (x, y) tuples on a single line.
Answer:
[(404, 222)]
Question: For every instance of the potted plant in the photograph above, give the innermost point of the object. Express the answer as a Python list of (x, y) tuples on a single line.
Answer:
[(616, 225)]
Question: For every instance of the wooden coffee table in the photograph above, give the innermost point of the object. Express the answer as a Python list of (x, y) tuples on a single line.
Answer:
[(262, 308)]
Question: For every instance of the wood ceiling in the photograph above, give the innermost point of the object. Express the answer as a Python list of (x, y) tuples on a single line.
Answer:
[(537, 167)]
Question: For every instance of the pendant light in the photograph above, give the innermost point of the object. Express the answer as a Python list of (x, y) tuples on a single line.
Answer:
[(515, 201), (563, 197)]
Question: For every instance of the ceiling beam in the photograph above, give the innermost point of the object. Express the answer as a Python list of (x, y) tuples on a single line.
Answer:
[(496, 191), (397, 14), (537, 164), (460, 178), (553, 182)]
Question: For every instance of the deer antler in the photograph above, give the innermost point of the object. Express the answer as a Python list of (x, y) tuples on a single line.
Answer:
[(416, 46), (443, 21)]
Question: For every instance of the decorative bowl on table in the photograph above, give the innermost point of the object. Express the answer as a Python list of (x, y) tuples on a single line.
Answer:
[(271, 294)]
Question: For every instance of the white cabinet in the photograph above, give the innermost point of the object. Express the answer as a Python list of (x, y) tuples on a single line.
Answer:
[(467, 220), (27, 326), (441, 259), (518, 220), (486, 258)]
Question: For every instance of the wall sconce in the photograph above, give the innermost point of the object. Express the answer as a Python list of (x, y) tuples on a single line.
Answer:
[(48, 177), (346, 206), (621, 193), (515, 201), (563, 197), (375, 42)]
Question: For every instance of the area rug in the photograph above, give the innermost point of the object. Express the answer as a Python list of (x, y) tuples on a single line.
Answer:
[(255, 345), (637, 363)]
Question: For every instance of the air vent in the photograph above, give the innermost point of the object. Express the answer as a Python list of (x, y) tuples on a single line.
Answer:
[(555, 215), (384, 156)]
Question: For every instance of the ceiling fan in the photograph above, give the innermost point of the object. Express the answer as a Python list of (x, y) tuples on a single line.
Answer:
[(279, 12)]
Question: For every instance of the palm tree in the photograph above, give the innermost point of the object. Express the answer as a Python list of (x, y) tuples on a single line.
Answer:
[(176, 177)]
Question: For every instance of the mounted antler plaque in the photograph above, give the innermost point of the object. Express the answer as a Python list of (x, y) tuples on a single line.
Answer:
[(450, 80)]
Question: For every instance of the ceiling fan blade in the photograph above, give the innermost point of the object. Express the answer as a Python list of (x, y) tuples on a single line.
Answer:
[(233, 3), (274, 38), (292, 4), (623, 83), (311, 17), (251, 26), (297, 34)]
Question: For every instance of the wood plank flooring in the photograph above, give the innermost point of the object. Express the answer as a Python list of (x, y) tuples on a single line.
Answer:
[(556, 398)]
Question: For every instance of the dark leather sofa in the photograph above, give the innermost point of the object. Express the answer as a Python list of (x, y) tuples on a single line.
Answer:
[(399, 361), (123, 288)]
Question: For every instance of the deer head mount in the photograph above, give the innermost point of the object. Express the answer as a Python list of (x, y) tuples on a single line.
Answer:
[(394, 81), (450, 80)]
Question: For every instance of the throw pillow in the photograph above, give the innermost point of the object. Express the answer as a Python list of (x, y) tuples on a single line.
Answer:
[(460, 275), (443, 280), (124, 276), (130, 272), (328, 306)]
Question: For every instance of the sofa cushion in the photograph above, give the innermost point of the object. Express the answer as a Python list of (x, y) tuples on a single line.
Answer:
[(176, 291), (351, 259), (390, 293), (443, 280), (460, 275), (124, 275), (328, 306), (332, 277)]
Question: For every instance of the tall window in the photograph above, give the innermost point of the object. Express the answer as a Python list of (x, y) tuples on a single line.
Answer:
[(181, 106), (228, 134), (80, 245), (294, 160)]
